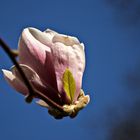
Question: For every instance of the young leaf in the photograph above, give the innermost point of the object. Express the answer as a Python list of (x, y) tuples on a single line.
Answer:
[(69, 84)]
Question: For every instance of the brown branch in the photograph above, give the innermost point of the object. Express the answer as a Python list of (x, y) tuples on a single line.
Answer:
[(32, 91), (15, 53)]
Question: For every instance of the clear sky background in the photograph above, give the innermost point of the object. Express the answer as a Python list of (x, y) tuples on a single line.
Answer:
[(110, 30)]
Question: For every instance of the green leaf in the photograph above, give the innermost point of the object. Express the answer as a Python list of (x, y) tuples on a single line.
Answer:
[(69, 84)]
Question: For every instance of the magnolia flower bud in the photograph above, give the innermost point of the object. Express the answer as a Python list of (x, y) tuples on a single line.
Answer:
[(53, 63)]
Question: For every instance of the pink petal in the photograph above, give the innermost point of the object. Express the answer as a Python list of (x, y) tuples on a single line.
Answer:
[(15, 82), (71, 57), (36, 55), (37, 83)]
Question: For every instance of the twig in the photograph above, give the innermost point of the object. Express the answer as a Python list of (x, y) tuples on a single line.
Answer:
[(15, 53)]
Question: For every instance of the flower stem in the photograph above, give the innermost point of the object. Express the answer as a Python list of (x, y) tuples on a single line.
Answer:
[(32, 91)]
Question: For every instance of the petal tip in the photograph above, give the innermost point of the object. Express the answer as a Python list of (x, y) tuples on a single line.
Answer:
[(7, 74)]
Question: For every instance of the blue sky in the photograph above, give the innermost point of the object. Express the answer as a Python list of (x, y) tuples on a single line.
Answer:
[(111, 38)]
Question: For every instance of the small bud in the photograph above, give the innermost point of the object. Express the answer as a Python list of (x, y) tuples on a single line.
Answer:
[(29, 98)]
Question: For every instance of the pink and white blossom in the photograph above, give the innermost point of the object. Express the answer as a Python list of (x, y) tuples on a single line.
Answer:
[(44, 57)]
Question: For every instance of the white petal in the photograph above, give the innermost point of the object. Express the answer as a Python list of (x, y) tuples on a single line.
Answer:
[(83, 46), (50, 33), (39, 36), (42, 103), (15, 82), (66, 40)]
